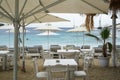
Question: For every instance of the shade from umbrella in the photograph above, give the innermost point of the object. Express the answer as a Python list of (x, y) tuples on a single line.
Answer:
[(81, 28)]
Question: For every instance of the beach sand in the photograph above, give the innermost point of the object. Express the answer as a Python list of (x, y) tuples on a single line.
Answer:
[(95, 72)]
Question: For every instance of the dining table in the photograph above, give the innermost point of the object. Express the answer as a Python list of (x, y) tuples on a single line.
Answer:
[(3, 54), (71, 62)]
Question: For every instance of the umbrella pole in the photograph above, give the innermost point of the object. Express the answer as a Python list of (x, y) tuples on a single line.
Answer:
[(83, 38), (23, 52), (114, 38), (16, 26), (9, 38), (48, 42)]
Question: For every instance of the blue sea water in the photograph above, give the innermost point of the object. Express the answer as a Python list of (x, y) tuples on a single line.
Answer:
[(64, 38)]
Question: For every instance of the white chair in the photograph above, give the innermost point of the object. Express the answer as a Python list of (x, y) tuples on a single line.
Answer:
[(58, 72), (71, 55), (46, 55), (39, 75), (90, 58), (10, 59), (1, 61), (82, 73)]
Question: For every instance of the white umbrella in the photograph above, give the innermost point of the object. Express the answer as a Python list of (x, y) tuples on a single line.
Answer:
[(81, 28), (48, 27), (47, 30), (48, 34)]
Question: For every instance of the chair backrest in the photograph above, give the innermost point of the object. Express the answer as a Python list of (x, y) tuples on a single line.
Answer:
[(58, 72), (72, 55), (46, 55), (54, 48), (85, 47), (86, 65), (3, 47), (35, 65), (118, 53)]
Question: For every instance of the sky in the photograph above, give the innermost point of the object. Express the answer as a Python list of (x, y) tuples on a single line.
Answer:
[(78, 19)]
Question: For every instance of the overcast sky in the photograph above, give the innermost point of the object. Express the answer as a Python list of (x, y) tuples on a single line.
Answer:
[(78, 19)]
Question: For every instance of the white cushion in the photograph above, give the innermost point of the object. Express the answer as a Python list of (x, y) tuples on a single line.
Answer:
[(42, 74), (80, 73)]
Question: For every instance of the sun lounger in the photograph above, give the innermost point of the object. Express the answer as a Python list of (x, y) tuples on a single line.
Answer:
[(97, 51), (53, 49), (85, 47), (3, 47), (32, 52)]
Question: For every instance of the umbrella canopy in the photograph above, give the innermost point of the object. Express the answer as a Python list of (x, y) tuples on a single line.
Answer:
[(47, 33), (48, 27), (81, 6)]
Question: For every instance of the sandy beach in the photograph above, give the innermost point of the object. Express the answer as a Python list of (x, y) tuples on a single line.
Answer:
[(95, 72)]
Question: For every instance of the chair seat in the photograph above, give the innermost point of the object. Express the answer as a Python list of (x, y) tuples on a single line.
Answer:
[(80, 73), (89, 57), (42, 75)]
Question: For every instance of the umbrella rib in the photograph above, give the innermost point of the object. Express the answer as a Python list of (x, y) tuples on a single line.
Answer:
[(48, 6), (37, 19), (9, 6), (46, 11), (30, 12), (23, 7), (9, 16), (94, 6)]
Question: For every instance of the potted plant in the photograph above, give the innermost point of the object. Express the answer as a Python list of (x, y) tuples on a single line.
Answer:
[(106, 47)]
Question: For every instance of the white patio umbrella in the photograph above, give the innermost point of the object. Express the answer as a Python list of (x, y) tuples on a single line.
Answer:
[(17, 11), (48, 30), (80, 28), (48, 34)]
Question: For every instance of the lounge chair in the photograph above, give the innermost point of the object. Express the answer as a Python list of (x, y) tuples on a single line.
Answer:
[(32, 52), (3, 47)]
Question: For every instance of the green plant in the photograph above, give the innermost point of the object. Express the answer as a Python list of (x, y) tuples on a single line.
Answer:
[(104, 35)]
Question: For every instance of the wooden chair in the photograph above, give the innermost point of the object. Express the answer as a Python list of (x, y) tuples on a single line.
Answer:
[(39, 75)]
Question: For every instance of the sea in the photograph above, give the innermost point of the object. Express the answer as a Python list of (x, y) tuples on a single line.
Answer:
[(63, 38)]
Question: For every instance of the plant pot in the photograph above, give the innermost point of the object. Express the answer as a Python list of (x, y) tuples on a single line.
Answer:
[(104, 61)]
